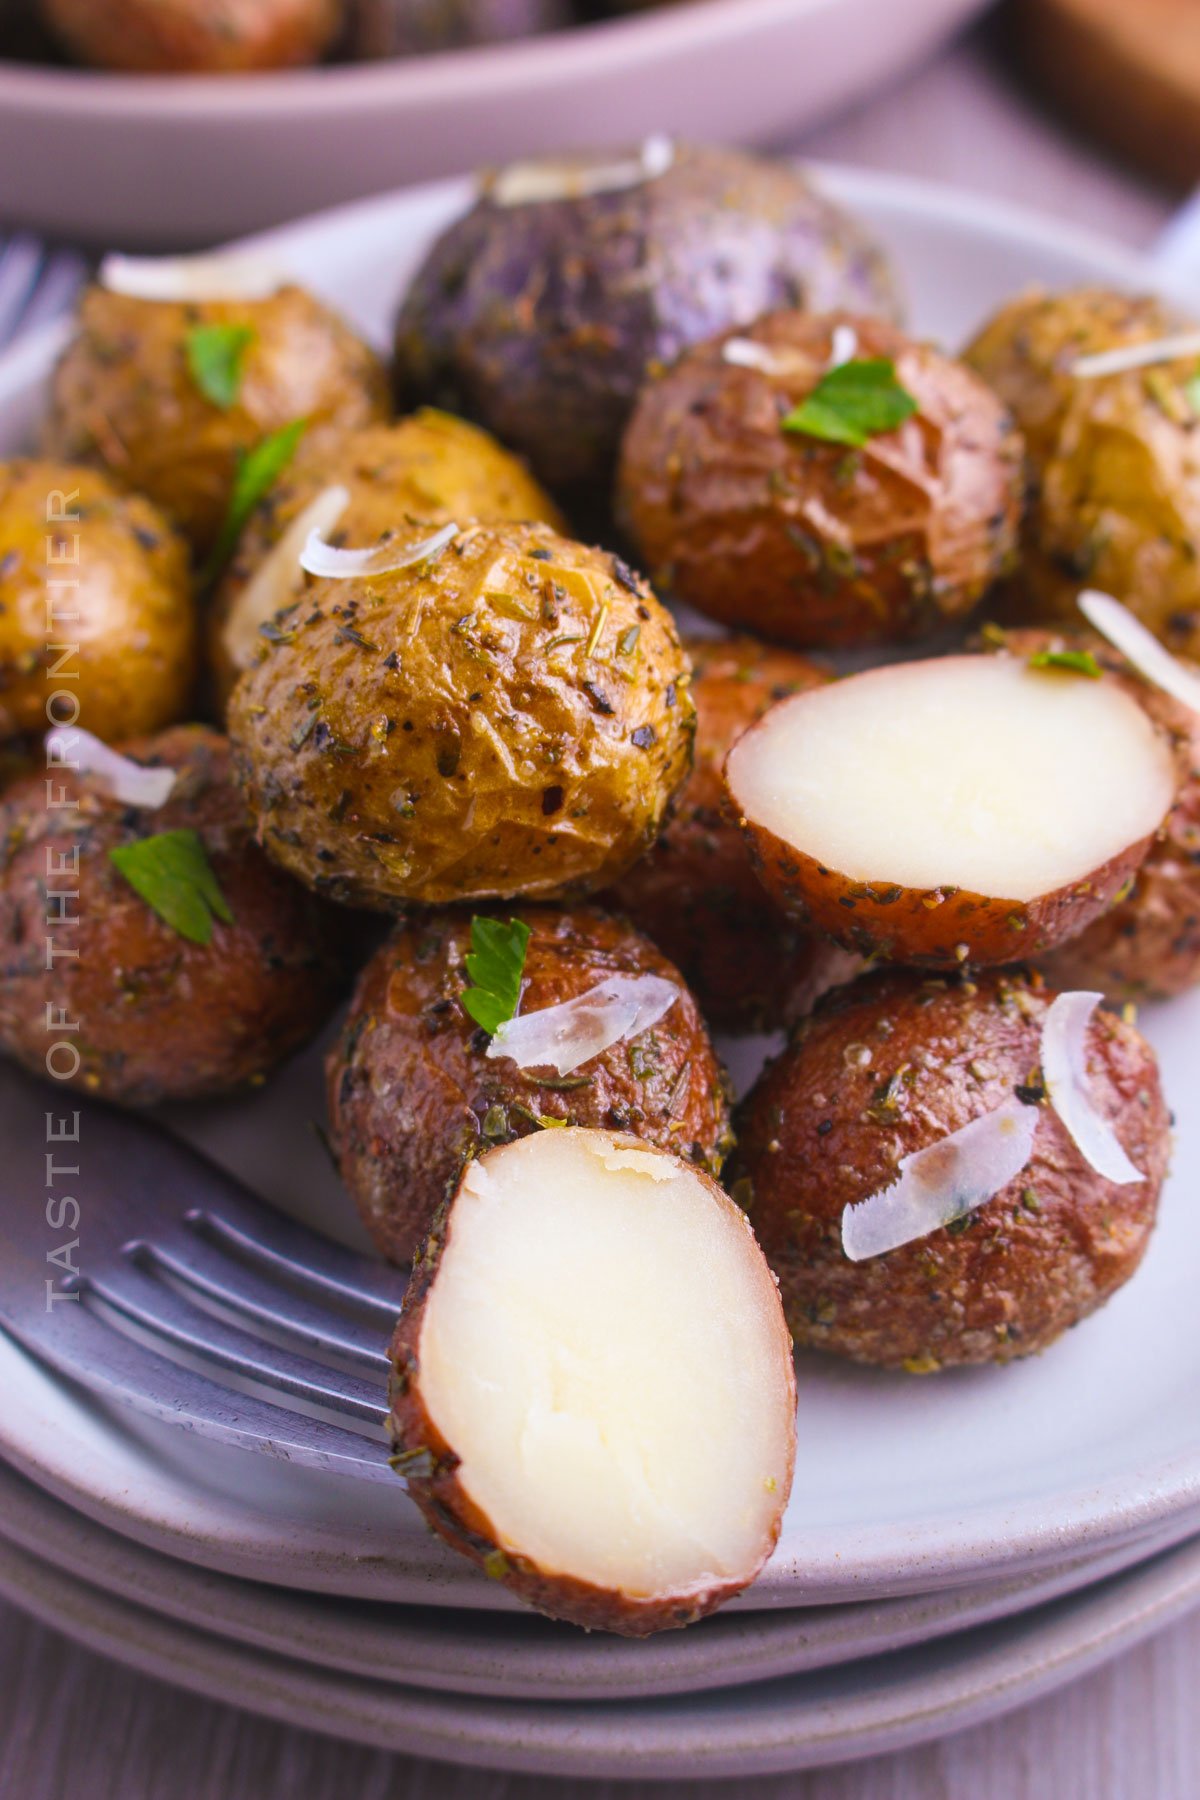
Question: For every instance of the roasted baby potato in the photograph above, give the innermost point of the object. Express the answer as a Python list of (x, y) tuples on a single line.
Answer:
[(696, 893), (431, 467), (507, 716), (381, 28), (126, 394), (895, 1063), (194, 37), (965, 809), (808, 541), (1114, 460), (95, 606), (128, 1007), (592, 1392), (413, 1092), (541, 311)]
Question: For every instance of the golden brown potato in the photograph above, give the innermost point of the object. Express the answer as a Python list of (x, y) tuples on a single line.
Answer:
[(891, 1065), (194, 37), (95, 605), (1114, 461), (413, 1093), (124, 396), (131, 1009), (508, 717), (592, 1389), (696, 893), (809, 542), (430, 467), (963, 809)]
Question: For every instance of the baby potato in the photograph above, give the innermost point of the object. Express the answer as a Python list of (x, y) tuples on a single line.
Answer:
[(431, 467), (893, 1064), (1114, 460), (696, 893), (129, 1008), (810, 542), (413, 1094), (194, 37), (127, 393), (542, 309), (95, 602), (508, 716)]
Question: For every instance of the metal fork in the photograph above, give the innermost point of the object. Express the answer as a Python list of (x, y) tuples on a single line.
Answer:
[(190, 1299), (37, 284)]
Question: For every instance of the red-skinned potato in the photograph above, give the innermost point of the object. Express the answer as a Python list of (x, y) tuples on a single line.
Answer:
[(412, 1091), (696, 893), (966, 809), (893, 1064), (592, 1394)]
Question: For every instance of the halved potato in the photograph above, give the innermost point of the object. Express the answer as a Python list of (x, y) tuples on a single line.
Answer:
[(965, 809), (593, 1394)]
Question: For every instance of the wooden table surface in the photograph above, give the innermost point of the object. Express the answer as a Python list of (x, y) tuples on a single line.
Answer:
[(73, 1727)]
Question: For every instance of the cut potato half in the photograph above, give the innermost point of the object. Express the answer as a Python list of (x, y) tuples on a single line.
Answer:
[(593, 1393), (967, 809)]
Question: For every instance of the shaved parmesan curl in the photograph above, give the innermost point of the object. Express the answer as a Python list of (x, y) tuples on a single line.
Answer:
[(1064, 1067), (564, 1037)]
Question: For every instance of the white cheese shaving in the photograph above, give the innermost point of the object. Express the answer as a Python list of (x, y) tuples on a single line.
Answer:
[(279, 578), (1140, 647), (746, 353), (844, 347), (942, 1182), (132, 783), (320, 558), (1064, 1068), (1135, 356), (565, 1036), (191, 278), (573, 178)]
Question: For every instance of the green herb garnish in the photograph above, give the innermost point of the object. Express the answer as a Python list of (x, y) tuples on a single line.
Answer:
[(852, 403), (1078, 662), (495, 965), (215, 358), (257, 472), (171, 873), (1191, 390)]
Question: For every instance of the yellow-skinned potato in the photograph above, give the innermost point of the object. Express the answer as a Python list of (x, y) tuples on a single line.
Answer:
[(509, 715), (194, 37), (126, 397), (1114, 460), (82, 564), (965, 809), (430, 466)]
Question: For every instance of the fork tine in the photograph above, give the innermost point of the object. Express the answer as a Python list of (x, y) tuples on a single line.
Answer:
[(62, 275), (284, 1250), (20, 263), (152, 1306)]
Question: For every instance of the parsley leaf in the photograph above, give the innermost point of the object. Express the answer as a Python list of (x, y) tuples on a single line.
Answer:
[(1079, 662), (215, 355), (853, 402), (495, 965), (257, 472), (172, 874)]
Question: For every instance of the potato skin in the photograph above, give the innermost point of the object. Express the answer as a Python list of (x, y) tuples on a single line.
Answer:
[(1114, 463), (161, 1018), (122, 396), (808, 542), (416, 27), (431, 467), (542, 320), (83, 564), (428, 1465), (194, 37), (525, 738), (886, 1067), (695, 893), (413, 1095)]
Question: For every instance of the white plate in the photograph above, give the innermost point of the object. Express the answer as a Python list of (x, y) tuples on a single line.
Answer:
[(518, 1657), (143, 159), (902, 1485), (835, 1715)]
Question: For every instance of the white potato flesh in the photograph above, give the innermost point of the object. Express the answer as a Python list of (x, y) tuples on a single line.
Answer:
[(605, 1349), (976, 772)]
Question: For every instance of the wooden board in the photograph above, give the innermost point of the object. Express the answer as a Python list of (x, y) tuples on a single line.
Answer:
[(1128, 71)]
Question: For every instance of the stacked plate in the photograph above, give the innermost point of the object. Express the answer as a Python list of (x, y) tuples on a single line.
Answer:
[(953, 1546)]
